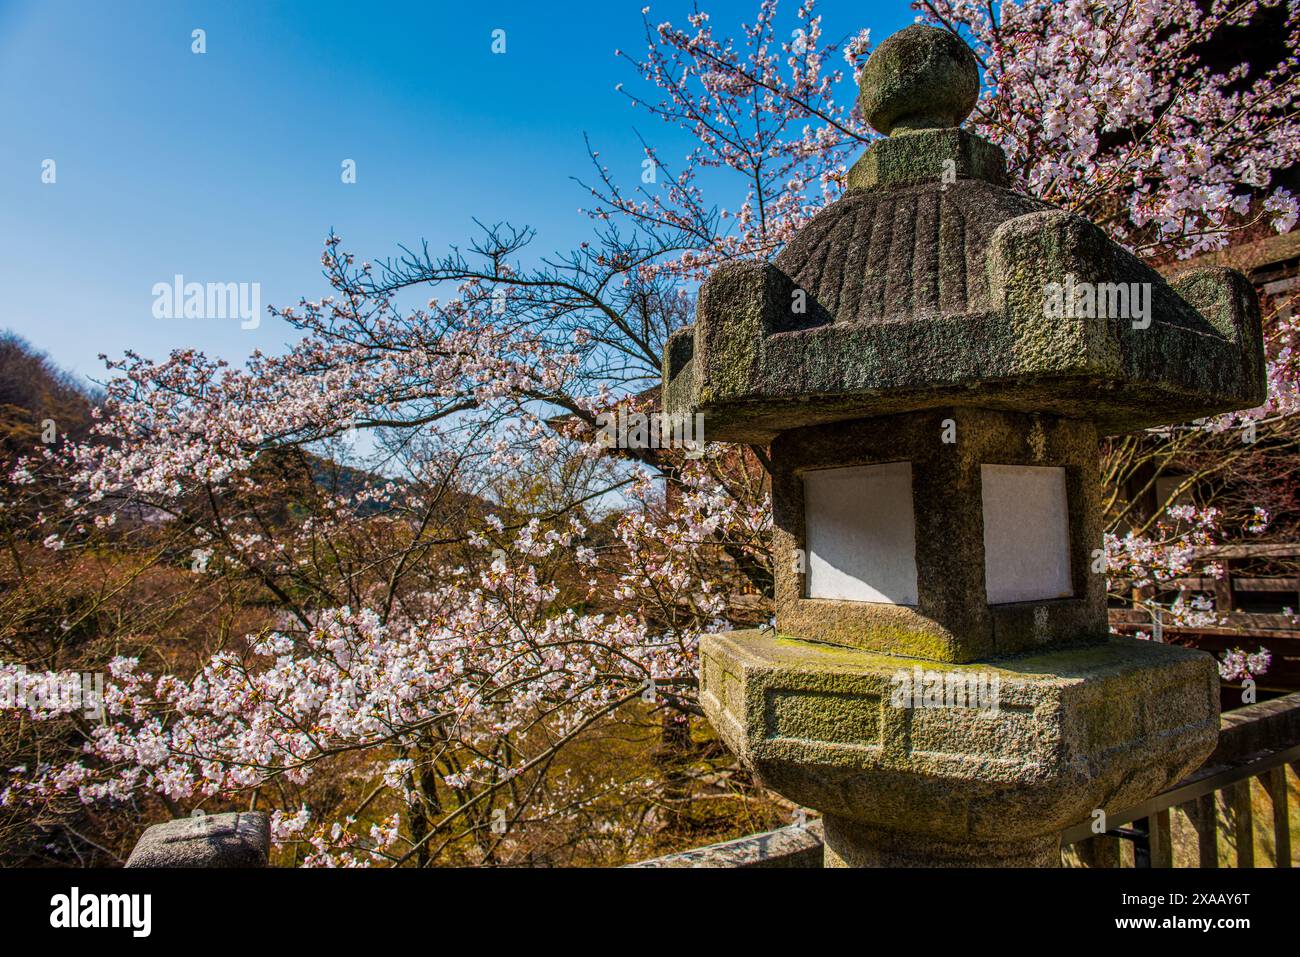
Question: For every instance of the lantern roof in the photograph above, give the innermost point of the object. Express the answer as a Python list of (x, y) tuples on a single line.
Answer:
[(931, 283)]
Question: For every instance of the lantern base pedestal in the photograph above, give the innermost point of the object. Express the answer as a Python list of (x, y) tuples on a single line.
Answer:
[(850, 844), (927, 763)]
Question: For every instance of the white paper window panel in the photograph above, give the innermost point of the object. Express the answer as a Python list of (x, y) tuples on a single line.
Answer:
[(1026, 533), (860, 533)]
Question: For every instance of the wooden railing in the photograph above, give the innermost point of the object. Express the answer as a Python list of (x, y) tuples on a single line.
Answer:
[(1255, 742)]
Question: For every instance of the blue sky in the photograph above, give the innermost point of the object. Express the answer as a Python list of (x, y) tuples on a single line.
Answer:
[(225, 167)]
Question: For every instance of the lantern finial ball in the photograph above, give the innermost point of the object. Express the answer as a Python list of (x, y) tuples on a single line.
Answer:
[(919, 78)]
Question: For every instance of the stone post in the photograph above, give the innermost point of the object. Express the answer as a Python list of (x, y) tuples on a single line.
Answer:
[(933, 360), (232, 839)]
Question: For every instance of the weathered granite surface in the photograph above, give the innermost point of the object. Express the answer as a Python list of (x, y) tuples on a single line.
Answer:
[(952, 620), (1245, 733), (1075, 729), (918, 78), (236, 839)]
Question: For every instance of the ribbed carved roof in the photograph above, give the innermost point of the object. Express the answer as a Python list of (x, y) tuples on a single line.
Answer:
[(885, 255)]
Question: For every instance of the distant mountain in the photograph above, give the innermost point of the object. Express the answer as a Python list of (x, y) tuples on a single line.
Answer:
[(34, 391)]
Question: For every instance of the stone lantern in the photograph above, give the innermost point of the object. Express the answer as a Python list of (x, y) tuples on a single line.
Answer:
[(933, 359)]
